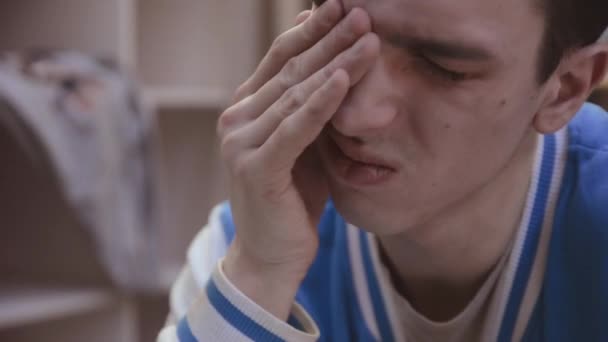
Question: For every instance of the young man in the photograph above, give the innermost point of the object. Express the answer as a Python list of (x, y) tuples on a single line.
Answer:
[(468, 181)]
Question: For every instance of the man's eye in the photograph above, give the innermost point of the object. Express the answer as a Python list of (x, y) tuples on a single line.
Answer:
[(442, 72)]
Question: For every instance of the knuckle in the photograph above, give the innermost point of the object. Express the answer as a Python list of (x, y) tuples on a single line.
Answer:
[(292, 100), (315, 111), (357, 23), (283, 82), (227, 158), (303, 14), (308, 34), (291, 71), (357, 51), (246, 168), (278, 50), (354, 57), (276, 55), (242, 91), (222, 125), (328, 72), (285, 131), (241, 168), (325, 23), (278, 43), (344, 33), (367, 46), (280, 134), (229, 147), (225, 121)]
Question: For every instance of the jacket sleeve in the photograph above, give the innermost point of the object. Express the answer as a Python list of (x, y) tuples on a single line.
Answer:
[(205, 306)]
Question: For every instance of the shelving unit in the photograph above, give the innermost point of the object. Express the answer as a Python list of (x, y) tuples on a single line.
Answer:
[(188, 57), (67, 315), (21, 305), (190, 47), (97, 27), (184, 97)]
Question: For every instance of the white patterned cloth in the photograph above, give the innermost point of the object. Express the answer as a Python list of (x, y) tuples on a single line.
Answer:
[(85, 114)]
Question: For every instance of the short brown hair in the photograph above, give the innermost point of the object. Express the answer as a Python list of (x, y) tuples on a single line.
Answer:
[(570, 24)]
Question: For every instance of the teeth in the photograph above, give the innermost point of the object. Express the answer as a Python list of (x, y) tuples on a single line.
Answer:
[(376, 171), (379, 171)]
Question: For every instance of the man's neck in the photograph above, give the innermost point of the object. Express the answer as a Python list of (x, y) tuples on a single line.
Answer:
[(439, 267)]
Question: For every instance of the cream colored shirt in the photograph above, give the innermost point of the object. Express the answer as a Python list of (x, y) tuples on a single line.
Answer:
[(465, 327)]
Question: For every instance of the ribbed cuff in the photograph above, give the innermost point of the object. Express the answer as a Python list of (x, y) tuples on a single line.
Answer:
[(234, 314)]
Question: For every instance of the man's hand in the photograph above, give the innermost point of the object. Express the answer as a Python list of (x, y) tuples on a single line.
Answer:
[(277, 115)]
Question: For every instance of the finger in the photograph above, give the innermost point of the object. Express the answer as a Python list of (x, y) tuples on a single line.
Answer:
[(299, 130), (292, 43), (300, 18), (356, 61), (341, 37), (355, 25)]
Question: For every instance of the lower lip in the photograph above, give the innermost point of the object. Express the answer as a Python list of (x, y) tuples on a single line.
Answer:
[(356, 173)]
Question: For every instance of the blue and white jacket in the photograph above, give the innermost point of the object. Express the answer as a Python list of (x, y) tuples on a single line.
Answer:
[(554, 287)]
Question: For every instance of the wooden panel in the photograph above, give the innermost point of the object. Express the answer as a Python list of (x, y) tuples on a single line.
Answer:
[(192, 180), (23, 305), (193, 43), (194, 98), (91, 26), (115, 323)]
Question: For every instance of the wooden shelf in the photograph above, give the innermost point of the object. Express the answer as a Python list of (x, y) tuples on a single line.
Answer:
[(192, 43), (94, 27), (186, 97), (189, 56), (21, 305)]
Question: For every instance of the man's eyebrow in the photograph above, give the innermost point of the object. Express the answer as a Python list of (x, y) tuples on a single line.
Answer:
[(441, 48)]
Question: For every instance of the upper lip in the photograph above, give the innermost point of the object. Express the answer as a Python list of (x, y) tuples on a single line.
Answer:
[(357, 152)]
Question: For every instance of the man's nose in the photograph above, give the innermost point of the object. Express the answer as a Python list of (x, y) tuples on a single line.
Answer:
[(368, 108)]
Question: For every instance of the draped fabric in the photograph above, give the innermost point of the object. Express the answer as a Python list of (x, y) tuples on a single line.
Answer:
[(86, 115)]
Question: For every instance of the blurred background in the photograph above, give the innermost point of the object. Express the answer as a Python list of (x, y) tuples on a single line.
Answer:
[(109, 154)]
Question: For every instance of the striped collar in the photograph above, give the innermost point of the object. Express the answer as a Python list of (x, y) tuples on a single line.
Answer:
[(519, 284)]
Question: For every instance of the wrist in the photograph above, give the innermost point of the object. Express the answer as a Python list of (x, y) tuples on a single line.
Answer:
[(271, 286)]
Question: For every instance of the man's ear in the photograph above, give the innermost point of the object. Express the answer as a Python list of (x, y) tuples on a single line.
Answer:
[(570, 86)]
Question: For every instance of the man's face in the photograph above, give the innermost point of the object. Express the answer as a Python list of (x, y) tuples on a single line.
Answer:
[(445, 108)]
